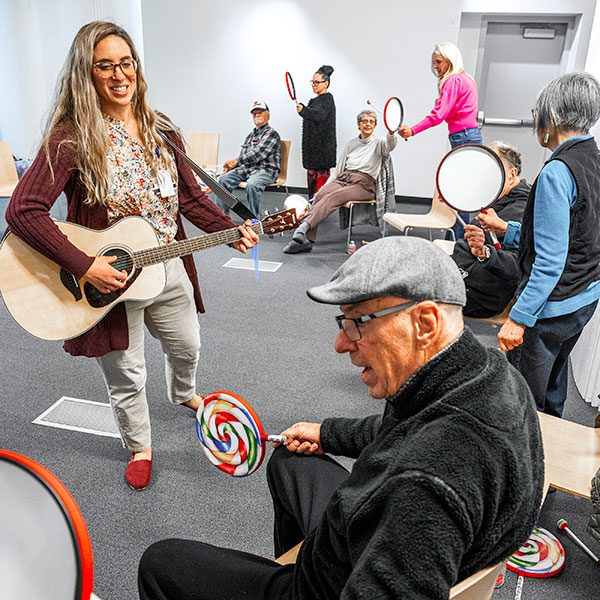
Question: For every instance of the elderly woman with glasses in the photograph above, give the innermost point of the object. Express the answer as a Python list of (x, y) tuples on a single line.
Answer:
[(558, 241), (318, 132), (102, 148)]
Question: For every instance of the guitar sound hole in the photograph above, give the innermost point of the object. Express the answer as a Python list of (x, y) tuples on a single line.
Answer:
[(124, 262)]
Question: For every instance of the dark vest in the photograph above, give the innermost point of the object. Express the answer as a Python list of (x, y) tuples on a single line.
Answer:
[(582, 266)]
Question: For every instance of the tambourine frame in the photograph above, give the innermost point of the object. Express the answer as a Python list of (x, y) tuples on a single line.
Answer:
[(385, 109), (461, 148), (82, 548), (289, 82)]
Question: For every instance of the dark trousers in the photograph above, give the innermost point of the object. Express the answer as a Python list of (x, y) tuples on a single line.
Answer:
[(543, 357), (177, 569), (315, 180)]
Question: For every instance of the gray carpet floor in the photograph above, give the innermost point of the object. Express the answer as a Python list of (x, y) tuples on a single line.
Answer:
[(267, 342)]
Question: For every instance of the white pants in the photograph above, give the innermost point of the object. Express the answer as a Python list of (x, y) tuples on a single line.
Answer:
[(171, 318)]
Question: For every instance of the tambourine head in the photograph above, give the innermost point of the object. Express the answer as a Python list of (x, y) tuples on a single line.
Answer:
[(393, 114), (470, 178), (298, 203)]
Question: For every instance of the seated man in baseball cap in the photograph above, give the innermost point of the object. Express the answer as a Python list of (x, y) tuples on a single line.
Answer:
[(258, 162), (446, 482)]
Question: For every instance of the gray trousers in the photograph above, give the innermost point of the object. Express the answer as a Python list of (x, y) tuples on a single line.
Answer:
[(347, 186), (171, 318)]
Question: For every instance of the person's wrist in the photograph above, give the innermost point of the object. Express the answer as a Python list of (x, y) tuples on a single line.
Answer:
[(483, 254)]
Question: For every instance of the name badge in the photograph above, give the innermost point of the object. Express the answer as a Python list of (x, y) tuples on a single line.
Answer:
[(166, 187)]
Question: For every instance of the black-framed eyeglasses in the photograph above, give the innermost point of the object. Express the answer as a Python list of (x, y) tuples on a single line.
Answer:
[(106, 68), (351, 325), (315, 82), (370, 121)]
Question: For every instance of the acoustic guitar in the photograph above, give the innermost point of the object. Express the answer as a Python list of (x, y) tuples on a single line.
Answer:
[(51, 304)]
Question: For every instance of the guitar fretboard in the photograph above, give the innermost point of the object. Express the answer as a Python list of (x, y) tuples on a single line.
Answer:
[(158, 254)]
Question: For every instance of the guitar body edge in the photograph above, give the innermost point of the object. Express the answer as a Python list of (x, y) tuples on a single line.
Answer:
[(37, 299)]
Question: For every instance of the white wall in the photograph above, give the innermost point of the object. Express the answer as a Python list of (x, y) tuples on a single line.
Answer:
[(207, 61), (35, 36)]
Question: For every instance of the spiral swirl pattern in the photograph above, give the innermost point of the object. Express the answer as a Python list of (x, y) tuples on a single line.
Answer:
[(230, 433), (542, 555)]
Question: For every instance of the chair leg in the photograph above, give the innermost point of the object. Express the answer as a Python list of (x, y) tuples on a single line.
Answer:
[(349, 226)]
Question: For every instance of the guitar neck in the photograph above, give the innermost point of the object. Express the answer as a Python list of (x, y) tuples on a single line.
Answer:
[(152, 256)]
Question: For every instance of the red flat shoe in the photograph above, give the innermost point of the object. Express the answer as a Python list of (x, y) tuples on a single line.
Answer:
[(138, 472)]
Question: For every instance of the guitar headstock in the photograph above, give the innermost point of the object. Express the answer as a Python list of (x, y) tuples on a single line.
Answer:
[(280, 222)]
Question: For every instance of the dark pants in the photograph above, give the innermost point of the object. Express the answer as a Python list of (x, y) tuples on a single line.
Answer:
[(458, 138), (543, 357), (315, 180), (176, 569)]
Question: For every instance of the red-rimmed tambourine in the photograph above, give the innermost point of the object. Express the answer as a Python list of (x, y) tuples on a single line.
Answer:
[(470, 178), (393, 113), (289, 82), (231, 434), (44, 543)]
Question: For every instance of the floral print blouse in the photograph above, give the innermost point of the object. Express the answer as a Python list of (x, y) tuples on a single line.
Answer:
[(134, 190)]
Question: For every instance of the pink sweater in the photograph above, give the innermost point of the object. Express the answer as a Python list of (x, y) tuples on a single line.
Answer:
[(457, 105)]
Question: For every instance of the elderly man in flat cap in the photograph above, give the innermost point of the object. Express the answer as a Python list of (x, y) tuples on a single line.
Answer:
[(446, 482)]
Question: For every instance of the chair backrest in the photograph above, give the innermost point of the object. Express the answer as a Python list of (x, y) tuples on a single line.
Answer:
[(479, 586), (8, 171), (285, 155), (203, 148), (441, 210)]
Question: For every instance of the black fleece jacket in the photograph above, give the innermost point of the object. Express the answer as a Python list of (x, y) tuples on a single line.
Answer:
[(491, 284), (449, 482)]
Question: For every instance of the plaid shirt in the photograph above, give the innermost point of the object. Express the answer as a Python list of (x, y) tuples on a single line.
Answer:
[(261, 151)]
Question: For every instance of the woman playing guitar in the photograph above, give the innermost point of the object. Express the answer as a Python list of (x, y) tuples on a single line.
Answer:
[(102, 149)]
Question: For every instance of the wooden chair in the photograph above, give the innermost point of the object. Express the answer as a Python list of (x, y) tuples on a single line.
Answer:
[(203, 148), (282, 177), (440, 216), (478, 586), (571, 453), (496, 319), (8, 171)]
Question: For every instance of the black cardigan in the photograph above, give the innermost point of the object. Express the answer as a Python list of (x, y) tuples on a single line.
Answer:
[(318, 133)]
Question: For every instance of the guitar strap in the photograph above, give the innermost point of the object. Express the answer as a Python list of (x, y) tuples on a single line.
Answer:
[(226, 196)]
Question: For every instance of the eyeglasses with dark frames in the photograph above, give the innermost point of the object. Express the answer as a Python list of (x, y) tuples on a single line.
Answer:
[(315, 82), (351, 325), (106, 68)]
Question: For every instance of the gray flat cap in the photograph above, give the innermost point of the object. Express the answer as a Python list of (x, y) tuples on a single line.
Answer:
[(407, 267)]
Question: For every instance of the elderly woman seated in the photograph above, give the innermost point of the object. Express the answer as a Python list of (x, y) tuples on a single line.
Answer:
[(357, 171)]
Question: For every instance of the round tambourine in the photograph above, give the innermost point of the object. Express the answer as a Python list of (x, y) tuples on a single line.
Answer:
[(290, 86), (231, 434), (393, 114), (44, 542), (470, 178), (298, 203)]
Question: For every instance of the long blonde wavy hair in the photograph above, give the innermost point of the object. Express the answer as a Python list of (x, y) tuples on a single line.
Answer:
[(77, 104)]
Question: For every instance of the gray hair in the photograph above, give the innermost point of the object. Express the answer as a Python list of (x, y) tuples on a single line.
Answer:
[(571, 102), (364, 113), (509, 154)]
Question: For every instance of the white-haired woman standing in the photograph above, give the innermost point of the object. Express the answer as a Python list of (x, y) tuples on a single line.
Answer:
[(103, 150), (559, 245), (457, 100), (456, 104)]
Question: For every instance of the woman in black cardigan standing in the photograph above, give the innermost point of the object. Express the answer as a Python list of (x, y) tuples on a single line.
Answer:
[(318, 132)]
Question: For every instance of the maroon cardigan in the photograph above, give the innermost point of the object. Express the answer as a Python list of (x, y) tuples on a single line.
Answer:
[(28, 216)]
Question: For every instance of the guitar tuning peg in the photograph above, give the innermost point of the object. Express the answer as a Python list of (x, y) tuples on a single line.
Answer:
[(267, 213)]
